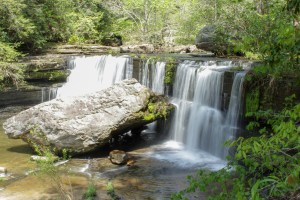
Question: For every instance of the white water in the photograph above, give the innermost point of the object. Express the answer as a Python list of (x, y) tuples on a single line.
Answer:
[(231, 126), (90, 74), (198, 121), (48, 93), (158, 74), (152, 75), (205, 117)]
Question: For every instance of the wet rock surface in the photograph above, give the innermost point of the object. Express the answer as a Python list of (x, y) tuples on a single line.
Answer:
[(118, 157)]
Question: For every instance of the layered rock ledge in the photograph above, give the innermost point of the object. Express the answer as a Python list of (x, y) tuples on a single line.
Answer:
[(84, 123)]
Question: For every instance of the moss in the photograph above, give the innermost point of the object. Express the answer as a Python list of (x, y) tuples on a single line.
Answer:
[(170, 73), (252, 100), (157, 107), (149, 117), (52, 76), (236, 69)]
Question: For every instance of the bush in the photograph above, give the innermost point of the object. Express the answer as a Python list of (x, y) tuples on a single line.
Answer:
[(264, 167)]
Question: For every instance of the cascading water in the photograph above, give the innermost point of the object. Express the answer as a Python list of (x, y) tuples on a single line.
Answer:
[(205, 117), (94, 73), (182, 91), (198, 121), (158, 75), (48, 93), (230, 128), (152, 75)]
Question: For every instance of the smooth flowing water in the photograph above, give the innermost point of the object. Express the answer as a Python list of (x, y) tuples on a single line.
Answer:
[(152, 75), (198, 122), (90, 74)]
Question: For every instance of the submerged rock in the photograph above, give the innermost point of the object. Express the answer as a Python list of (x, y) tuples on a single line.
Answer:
[(118, 157), (44, 158), (84, 123), (3, 170)]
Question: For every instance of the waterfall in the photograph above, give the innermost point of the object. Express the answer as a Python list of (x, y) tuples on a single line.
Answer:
[(205, 117), (158, 75), (89, 74), (152, 75), (198, 121), (183, 90), (144, 75), (231, 125), (48, 93)]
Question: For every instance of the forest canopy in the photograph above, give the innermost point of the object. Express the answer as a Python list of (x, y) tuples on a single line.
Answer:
[(29, 25)]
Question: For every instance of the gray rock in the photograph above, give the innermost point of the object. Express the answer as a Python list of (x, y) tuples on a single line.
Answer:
[(142, 48), (118, 157), (205, 39), (84, 123)]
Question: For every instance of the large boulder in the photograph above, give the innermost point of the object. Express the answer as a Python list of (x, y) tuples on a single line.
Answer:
[(84, 123), (205, 39), (217, 41), (113, 40)]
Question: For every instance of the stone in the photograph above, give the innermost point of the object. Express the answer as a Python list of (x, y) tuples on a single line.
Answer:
[(205, 39), (183, 49), (113, 40), (130, 163), (84, 123), (142, 48), (43, 158), (216, 42), (3, 170), (118, 157)]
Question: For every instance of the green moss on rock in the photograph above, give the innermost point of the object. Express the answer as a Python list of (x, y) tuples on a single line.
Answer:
[(170, 73), (158, 107), (48, 76)]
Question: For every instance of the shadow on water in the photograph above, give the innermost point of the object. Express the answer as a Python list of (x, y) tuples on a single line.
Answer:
[(23, 149)]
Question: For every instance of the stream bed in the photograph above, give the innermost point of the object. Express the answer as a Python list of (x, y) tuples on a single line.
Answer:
[(160, 169)]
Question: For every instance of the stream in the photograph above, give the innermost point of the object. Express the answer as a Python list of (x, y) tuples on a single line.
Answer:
[(160, 169)]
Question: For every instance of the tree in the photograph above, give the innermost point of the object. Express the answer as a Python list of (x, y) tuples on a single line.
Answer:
[(150, 18)]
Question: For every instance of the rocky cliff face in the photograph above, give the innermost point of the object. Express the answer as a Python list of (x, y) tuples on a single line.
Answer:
[(83, 123)]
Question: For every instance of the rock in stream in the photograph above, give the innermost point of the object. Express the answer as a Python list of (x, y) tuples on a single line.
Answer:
[(84, 123)]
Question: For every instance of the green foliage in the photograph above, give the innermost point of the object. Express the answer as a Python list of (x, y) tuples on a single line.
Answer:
[(47, 169), (170, 72), (265, 167), (111, 191), (90, 193), (156, 109), (8, 52), (10, 74), (261, 31), (252, 100), (54, 76)]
